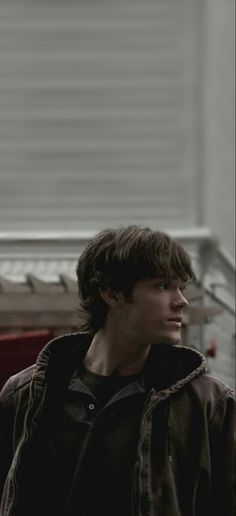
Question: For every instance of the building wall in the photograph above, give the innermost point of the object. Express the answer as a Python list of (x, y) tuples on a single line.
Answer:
[(216, 337), (98, 114), (222, 331), (219, 120), (116, 113)]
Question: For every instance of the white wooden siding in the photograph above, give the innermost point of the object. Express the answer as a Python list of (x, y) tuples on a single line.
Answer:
[(98, 114)]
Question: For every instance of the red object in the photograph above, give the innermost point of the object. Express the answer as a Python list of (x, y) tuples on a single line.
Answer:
[(18, 351), (212, 348)]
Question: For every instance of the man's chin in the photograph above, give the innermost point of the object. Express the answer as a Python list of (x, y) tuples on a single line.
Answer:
[(171, 341)]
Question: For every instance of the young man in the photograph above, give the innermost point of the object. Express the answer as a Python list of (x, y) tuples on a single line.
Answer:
[(120, 419)]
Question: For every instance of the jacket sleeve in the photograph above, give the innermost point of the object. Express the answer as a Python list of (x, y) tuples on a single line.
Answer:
[(222, 431), (6, 432)]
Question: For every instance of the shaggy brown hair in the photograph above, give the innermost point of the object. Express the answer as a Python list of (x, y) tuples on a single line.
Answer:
[(118, 258)]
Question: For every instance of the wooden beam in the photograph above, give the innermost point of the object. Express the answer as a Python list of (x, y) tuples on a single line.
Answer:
[(38, 320), (38, 302)]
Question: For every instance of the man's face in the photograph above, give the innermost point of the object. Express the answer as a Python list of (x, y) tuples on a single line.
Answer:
[(153, 314)]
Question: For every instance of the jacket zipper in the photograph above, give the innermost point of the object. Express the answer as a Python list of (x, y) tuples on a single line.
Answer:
[(138, 484)]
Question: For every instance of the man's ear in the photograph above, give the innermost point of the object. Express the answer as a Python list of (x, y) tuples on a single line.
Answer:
[(111, 297)]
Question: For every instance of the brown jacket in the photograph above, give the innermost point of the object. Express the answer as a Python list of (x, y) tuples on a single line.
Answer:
[(184, 467)]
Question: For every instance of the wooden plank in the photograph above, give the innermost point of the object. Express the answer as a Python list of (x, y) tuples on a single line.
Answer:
[(37, 320), (38, 302)]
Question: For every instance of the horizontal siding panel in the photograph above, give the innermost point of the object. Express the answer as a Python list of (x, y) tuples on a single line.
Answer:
[(97, 114)]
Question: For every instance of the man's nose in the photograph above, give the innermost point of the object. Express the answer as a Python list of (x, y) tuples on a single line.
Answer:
[(180, 300)]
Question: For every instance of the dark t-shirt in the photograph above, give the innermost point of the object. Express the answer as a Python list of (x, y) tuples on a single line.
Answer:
[(105, 387), (106, 469), (93, 445)]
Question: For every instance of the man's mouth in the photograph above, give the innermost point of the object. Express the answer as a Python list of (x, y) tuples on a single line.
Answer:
[(177, 319)]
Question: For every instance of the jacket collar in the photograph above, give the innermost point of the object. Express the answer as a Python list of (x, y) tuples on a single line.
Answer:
[(166, 365)]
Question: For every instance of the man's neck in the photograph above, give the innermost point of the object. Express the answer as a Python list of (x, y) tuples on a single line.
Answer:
[(115, 354)]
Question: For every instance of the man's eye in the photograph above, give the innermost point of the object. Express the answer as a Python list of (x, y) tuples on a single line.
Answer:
[(163, 286), (182, 288)]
